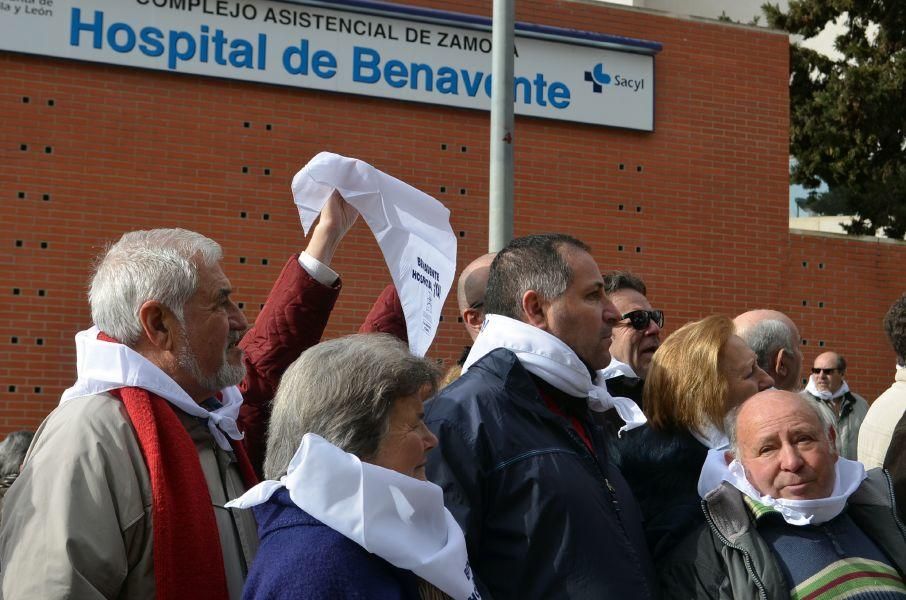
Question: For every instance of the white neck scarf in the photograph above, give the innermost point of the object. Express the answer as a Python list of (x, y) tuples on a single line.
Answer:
[(714, 471), (617, 368), (848, 476), (711, 437), (547, 357), (825, 395), (104, 366), (397, 517)]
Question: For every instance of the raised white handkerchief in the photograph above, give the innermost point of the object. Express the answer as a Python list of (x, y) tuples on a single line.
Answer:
[(412, 229)]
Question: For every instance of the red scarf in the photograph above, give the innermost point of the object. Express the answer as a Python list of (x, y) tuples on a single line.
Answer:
[(188, 559)]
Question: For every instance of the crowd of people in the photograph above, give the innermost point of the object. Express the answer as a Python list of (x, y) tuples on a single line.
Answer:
[(571, 453)]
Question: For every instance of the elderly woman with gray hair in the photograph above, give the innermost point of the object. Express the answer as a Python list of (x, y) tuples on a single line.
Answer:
[(346, 511)]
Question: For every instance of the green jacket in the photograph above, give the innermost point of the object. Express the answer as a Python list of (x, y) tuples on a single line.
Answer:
[(727, 559)]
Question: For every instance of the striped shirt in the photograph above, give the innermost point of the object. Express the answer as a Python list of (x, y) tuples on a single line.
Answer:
[(834, 560)]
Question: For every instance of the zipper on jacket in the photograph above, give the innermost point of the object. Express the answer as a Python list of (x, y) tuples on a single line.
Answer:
[(613, 496), (601, 476), (893, 503), (589, 455), (746, 558)]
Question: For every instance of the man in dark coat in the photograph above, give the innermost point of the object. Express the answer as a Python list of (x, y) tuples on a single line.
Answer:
[(523, 466), (636, 337), (792, 518)]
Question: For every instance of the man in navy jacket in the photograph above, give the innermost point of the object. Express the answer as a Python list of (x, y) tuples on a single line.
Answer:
[(523, 466)]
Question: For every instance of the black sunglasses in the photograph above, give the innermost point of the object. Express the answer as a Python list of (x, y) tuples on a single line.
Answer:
[(816, 370), (639, 319)]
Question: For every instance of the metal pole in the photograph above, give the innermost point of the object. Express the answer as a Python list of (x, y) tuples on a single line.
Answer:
[(500, 201)]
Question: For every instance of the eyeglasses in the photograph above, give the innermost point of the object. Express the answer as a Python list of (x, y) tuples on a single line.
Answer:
[(477, 304), (640, 319), (817, 371)]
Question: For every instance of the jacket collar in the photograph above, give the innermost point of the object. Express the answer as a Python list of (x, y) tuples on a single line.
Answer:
[(503, 364), (900, 375), (729, 515), (727, 512)]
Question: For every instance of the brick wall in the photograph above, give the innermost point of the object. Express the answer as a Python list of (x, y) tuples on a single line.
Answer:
[(838, 290), (698, 207)]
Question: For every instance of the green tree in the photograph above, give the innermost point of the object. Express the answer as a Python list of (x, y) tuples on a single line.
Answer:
[(848, 115)]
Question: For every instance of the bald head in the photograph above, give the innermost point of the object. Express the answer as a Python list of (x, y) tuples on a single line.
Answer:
[(785, 446), (470, 289), (775, 340), (831, 371), (832, 359)]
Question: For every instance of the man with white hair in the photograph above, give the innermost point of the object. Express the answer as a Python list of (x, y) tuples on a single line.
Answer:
[(122, 492), (792, 518), (775, 340)]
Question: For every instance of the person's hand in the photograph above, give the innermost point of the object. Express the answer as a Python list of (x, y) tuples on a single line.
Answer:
[(337, 218)]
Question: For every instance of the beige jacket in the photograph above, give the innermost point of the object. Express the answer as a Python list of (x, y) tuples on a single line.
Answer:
[(877, 428), (77, 523)]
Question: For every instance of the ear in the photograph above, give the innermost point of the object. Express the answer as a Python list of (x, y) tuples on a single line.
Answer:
[(158, 325), (780, 363), (473, 318), (534, 309)]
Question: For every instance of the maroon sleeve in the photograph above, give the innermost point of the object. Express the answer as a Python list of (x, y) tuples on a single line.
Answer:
[(386, 316), (292, 320)]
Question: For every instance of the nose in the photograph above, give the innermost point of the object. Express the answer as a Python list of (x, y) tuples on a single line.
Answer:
[(790, 460), (653, 328), (765, 381), (429, 440), (609, 313), (238, 322)]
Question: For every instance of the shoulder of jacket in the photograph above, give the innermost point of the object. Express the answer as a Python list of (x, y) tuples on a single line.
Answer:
[(90, 424), (97, 411), (726, 512), (859, 399), (486, 381), (875, 490)]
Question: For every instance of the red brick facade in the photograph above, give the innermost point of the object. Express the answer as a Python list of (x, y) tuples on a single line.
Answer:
[(698, 208)]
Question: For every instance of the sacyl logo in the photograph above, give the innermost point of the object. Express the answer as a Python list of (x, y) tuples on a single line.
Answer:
[(599, 79)]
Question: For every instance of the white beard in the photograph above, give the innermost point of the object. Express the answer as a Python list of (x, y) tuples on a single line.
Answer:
[(226, 375)]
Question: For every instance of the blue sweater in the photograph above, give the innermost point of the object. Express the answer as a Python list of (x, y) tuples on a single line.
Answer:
[(299, 557), (830, 560)]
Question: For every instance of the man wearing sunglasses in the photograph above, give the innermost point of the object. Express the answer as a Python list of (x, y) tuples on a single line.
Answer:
[(844, 409), (635, 337)]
